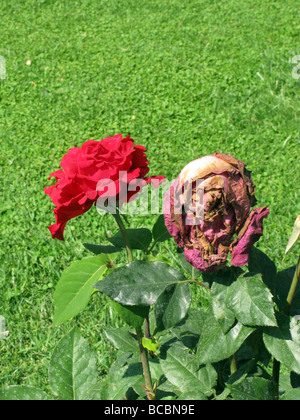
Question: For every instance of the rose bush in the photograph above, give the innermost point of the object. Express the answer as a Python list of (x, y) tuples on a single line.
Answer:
[(173, 345), (227, 224), (93, 171)]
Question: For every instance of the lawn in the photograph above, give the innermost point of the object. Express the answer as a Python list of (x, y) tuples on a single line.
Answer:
[(184, 79)]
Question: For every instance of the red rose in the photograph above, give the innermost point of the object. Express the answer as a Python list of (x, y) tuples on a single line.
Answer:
[(78, 184)]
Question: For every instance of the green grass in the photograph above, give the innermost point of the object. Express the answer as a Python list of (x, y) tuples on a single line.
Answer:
[(185, 79)]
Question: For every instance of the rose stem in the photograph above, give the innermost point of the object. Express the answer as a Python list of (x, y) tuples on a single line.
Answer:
[(124, 234), (147, 328), (275, 377), (145, 363), (233, 364), (289, 300), (293, 289), (147, 332), (201, 284), (139, 333)]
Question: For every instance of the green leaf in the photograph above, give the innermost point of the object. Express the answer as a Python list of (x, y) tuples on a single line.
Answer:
[(23, 393), (284, 280), (253, 389), (150, 344), (75, 287), (160, 232), (194, 395), (182, 370), (172, 305), (251, 301), (102, 249), (214, 345), (242, 372), (259, 262), (188, 331), (295, 380), (220, 282), (283, 342), (137, 238), (187, 267), (160, 257), (291, 395), (219, 302), (226, 276), (122, 339), (134, 316), (256, 348), (139, 283), (124, 373), (73, 369), (167, 387)]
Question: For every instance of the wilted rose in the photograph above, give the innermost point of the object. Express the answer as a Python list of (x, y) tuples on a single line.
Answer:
[(208, 212), (92, 171)]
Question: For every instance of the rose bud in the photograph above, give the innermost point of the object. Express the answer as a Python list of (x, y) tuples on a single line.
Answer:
[(295, 235), (208, 212), (78, 185)]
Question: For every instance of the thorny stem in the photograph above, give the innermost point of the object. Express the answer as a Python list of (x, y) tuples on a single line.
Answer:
[(145, 363)]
